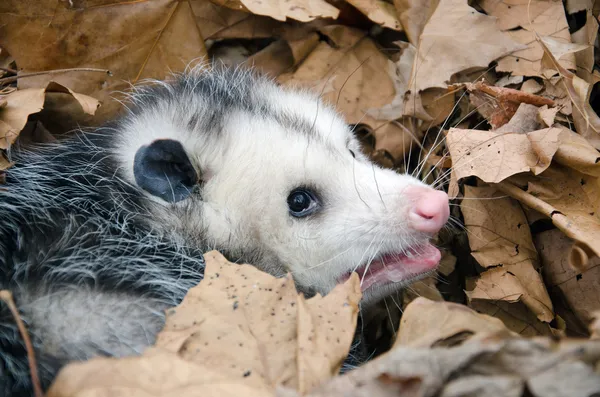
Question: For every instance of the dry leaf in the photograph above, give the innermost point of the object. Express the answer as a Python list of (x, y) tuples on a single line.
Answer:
[(567, 197), (413, 15), (456, 48), (21, 103), (348, 75), (239, 332), (379, 12), (587, 35), (574, 6), (509, 80), (425, 288), (595, 326), (580, 288), (134, 40), (559, 50), (523, 20), (324, 333), (494, 156), (547, 115), (526, 119), (515, 316), (426, 323), (488, 367), (501, 242), (216, 22), (499, 104), (577, 153), (300, 10), (399, 73), (281, 55), (531, 86), (587, 122)]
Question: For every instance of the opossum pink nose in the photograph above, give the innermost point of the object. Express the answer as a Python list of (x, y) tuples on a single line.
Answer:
[(430, 211)]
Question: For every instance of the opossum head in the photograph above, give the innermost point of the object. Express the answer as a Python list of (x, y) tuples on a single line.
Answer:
[(275, 177)]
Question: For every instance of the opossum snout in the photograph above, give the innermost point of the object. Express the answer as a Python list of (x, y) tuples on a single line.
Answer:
[(430, 209)]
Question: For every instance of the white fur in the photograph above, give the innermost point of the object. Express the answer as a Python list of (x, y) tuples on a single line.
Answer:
[(254, 163)]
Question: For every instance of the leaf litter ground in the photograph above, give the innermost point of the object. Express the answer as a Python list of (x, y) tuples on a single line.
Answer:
[(496, 102)]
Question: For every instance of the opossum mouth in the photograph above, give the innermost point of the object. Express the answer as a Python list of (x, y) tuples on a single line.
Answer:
[(397, 267)]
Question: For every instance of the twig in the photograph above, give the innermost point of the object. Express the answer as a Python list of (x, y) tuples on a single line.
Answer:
[(12, 79), (6, 296), (9, 70)]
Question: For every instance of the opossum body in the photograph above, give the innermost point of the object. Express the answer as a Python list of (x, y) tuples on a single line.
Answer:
[(100, 233)]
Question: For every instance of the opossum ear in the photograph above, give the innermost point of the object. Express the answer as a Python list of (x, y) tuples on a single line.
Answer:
[(164, 170)]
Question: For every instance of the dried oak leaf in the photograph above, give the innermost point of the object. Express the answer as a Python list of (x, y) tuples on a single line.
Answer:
[(499, 104), (413, 15), (282, 55), (426, 323), (587, 121), (501, 242), (134, 40), (524, 20), (491, 366), (239, 332), (587, 35), (347, 73), (580, 288), (595, 326), (494, 156), (378, 11), (21, 103), (568, 197), (300, 10), (446, 47)]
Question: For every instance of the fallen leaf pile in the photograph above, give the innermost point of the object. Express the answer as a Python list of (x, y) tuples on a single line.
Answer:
[(240, 332), (495, 101)]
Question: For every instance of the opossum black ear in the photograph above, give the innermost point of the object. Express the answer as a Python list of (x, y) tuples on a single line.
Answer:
[(164, 170)]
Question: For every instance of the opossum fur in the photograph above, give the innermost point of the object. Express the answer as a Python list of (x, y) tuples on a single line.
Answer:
[(94, 248)]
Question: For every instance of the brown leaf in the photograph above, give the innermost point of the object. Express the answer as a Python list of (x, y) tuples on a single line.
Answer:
[(595, 326), (500, 241), (515, 316), (587, 122), (281, 55), (496, 366), (494, 156), (523, 20), (426, 323), (526, 119), (413, 15), (587, 35), (320, 338), (300, 10), (499, 104), (425, 288), (455, 48), (569, 198), (548, 115), (239, 332), (580, 288), (134, 40), (399, 73), (379, 12), (348, 75), (559, 50), (13, 117), (21, 103)]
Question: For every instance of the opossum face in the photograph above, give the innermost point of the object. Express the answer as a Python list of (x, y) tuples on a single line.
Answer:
[(287, 186)]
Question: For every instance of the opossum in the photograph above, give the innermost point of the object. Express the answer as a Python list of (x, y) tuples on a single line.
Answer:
[(103, 231)]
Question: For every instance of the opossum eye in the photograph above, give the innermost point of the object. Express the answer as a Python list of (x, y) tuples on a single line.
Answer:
[(302, 202), (164, 170)]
